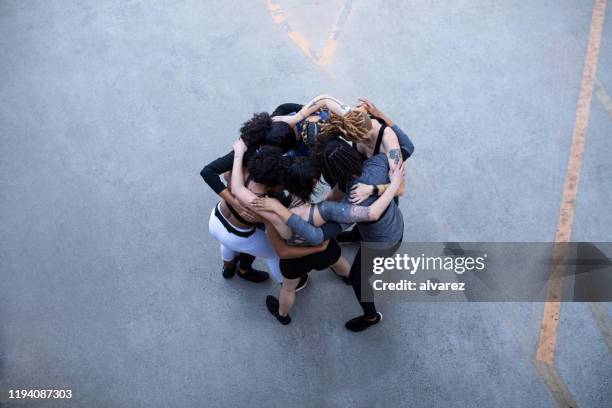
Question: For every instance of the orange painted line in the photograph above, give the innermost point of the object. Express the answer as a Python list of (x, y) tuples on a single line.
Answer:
[(278, 16), (552, 308)]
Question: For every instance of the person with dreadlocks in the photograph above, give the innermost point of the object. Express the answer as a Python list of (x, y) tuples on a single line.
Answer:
[(371, 132), (378, 218), (307, 121)]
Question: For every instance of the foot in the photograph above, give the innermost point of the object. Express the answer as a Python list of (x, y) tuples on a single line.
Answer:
[(229, 271), (272, 305), (361, 323), (252, 275), (347, 237), (303, 282)]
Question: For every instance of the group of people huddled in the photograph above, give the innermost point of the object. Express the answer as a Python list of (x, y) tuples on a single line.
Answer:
[(267, 210)]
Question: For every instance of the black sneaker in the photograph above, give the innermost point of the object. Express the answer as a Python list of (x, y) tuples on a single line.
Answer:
[(272, 305), (229, 272), (348, 237), (361, 323), (303, 282), (253, 275)]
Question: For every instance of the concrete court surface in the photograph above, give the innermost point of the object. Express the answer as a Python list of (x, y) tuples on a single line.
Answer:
[(111, 284)]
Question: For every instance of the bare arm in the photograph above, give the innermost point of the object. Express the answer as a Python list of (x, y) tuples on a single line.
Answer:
[(342, 212), (285, 251), (319, 102), (391, 146), (246, 196), (347, 213)]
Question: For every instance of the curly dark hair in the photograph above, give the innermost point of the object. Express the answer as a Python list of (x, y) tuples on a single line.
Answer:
[(338, 161), (301, 177), (261, 130), (253, 131), (268, 166)]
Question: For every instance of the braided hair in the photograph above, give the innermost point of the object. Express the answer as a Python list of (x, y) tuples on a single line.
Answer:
[(301, 177), (351, 126), (338, 161)]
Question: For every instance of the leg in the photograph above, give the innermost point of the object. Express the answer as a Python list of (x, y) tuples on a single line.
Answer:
[(229, 262), (369, 310), (287, 296), (280, 310), (246, 261), (342, 267)]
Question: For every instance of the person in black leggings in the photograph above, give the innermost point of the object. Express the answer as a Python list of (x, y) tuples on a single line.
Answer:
[(383, 136), (343, 167)]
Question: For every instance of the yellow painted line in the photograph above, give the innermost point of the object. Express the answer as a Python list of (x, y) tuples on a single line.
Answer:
[(278, 16), (555, 384), (548, 331), (603, 96)]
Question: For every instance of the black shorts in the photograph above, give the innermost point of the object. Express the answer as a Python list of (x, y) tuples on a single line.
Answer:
[(296, 267)]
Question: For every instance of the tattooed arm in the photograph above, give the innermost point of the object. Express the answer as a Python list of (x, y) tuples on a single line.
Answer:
[(340, 212), (391, 147), (347, 213)]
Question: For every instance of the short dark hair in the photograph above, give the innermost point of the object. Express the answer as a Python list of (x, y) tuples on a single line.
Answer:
[(261, 130), (280, 135), (300, 178), (268, 166), (339, 162)]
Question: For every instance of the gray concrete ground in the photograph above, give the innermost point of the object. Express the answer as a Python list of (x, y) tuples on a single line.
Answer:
[(110, 281)]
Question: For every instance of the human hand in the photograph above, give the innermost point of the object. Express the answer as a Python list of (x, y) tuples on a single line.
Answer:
[(245, 212), (265, 204), (397, 174), (360, 192), (239, 147), (371, 108)]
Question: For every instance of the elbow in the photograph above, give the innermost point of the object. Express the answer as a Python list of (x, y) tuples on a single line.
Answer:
[(283, 253), (205, 173), (373, 216)]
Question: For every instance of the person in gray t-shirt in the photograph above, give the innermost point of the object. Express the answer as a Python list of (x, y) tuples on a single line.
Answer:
[(378, 218), (342, 167)]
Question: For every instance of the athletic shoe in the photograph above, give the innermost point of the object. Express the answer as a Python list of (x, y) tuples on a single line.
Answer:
[(253, 275), (303, 282), (272, 305), (229, 272), (361, 323), (348, 237)]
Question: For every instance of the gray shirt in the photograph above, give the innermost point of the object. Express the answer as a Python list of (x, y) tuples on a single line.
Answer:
[(390, 226)]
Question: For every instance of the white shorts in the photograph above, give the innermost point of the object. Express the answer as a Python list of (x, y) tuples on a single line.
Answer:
[(256, 244)]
